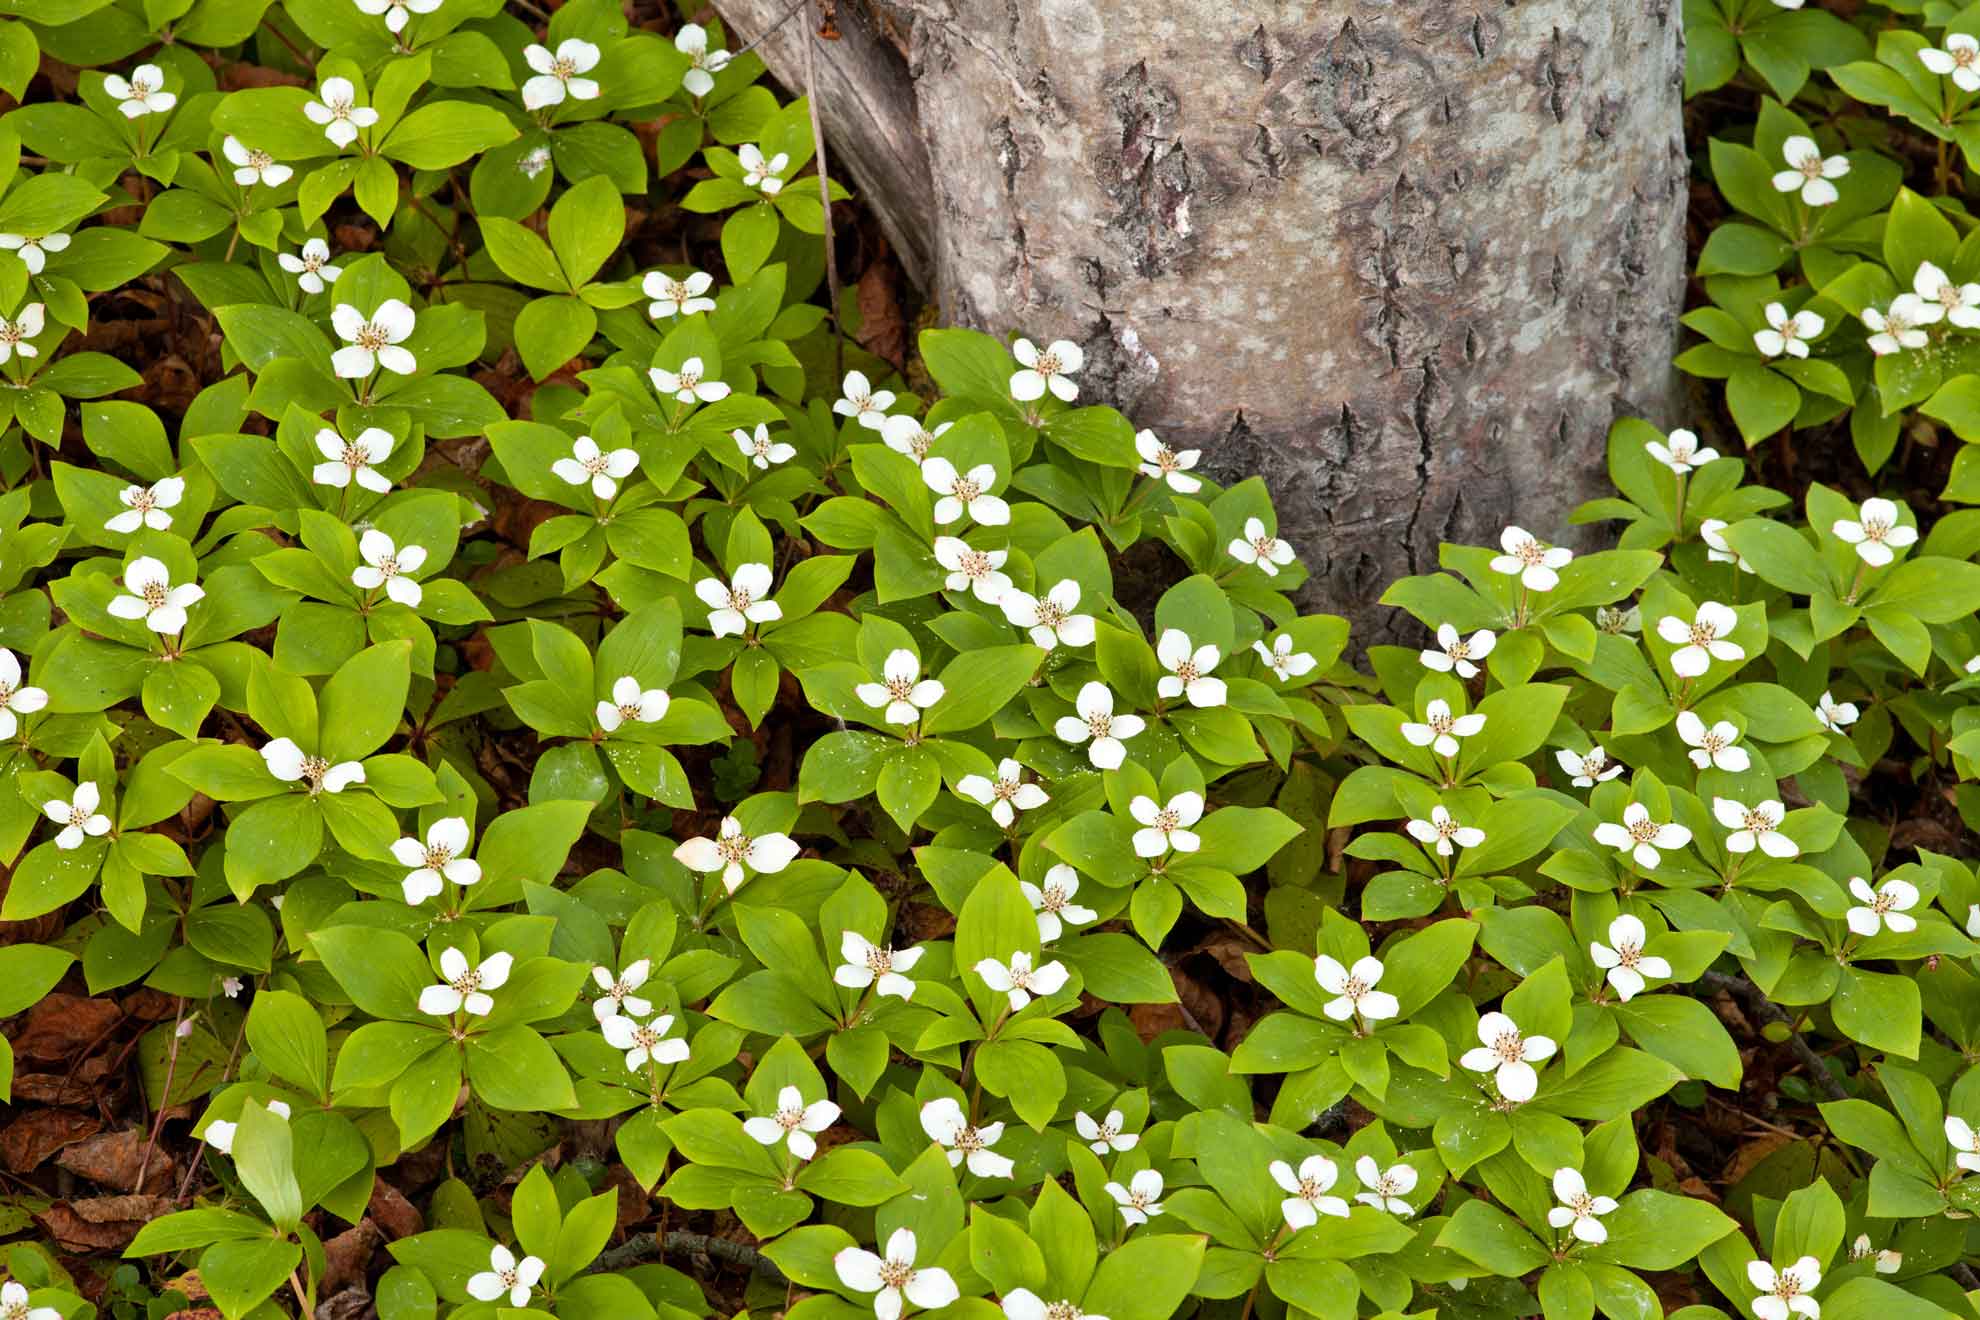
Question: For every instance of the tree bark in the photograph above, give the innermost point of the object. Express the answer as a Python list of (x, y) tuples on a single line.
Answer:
[(1407, 259)]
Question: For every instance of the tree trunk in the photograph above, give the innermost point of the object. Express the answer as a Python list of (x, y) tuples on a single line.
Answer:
[(1405, 259)]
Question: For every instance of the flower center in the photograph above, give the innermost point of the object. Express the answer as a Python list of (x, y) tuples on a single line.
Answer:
[(1048, 364), (437, 856), (77, 816), (1355, 988), (355, 456), (629, 710), (468, 982), (1441, 724), (261, 160), (11, 332), (154, 595), (1309, 1190), (1166, 461), (965, 490), (388, 566), (1061, 1311), (313, 770), (339, 109), (1166, 820), (565, 70), (899, 689), (6, 694), (508, 1278), (1187, 672), (1757, 821), (1265, 545), (1138, 1199), (1711, 744), (975, 564), (645, 1037), (1643, 831), (1509, 1047), (312, 262), (739, 599), (595, 465), (372, 336), (733, 848), (690, 379), (1786, 1285), (1703, 634), (1592, 765), (1875, 530), (140, 89), (143, 501), (1005, 790), (895, 1273), (790, 1119), (1458, 650), (879, 961), (1053, 899), (1810, 165), (1446, 827), (1099, 726), (918, 444), (1895, 324), (1582, 1205), (1884, 902), (1529, 553), (1628, 955)]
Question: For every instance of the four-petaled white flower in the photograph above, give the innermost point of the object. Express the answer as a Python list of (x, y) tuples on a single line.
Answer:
[(1887, 907), (1833, 715), (1629, 969), (1020, 980), (1141, 1199), (505, 1277), (1442, 831), (1960, 301), (977, 571), (1386, 1188), (253, 165), (1758, 827), (692, 41), (644, 1042), (1050, 368), (1166, 827), (1713, 747), (1053, 903), (964, 494), (893, 1277), (371, 342), (1354, 989), (767, 176), (16, 334), (1508, 1056), (1959, 60), (1453, 652), (437, 860), (736, 854), (677, 297), (1578, 1212), (1965, 1143), (560, 73), (1160, 463), (1282, 660), (153, 598), (17, 699), (947, 1126), (356, 460), (906, 435), (220, 1135), (386, 565), (619, 996), (33, 250), (687, 384), (1261, 548), (1538, 567), (1440, 730), (1787, 334), (1887, 1260), (145, 506), (397, 14), (1681, 452), (630, 702), (1712, 531), (904, 693), (1309, 1186), (1876, 531), (1588, 768), (1006, 795), (311, 266), (290, 764), (1703, 640), (1050, 618), (602, 469), (1640, 836), (1810, 172), (1096, 725), (141, 94), (745, 600), (794, 1123), (466, 987), (78, 816), (14, 1306), (866, 963), (1106, 1135), (1899, 326), (868, 406), (760, 449), (1189, 670), (1024, 1304), (337, 112), (1785, 1290)]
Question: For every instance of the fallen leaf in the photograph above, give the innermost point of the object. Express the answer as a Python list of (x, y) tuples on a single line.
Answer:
[(102, 1223), (39, 1133), (64, 1026), (112, 1159)]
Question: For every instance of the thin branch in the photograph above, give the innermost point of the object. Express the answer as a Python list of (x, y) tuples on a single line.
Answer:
[(653, 1246), (1757, 1003), (764, 35), (825, 202)]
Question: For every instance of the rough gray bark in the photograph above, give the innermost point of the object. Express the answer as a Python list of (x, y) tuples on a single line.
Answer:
[(1405, 258)]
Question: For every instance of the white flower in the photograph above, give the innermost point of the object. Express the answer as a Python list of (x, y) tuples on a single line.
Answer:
[(736, 854), (438, 859), (1897, 327), (356, 460), (1785, 1290), (760, 449), (744, 601), (644, 1042), (1786, 334), (1386, 1187), (1810, 172), (1440, 729), (142, 93), (692, 41), (15, 334), (687, 385), (1258, 547), (1960, 59), (1455, 652), (1888, 906), (761, 174), (534, 162), (1759, 827), (338, 112), (397, 13), (1050, 618), (978, 571), (1354, 989), (1051, 370), (894, 1276), (869, 407), (619, 997), (220, 1135), (905, 694), (1628, 967), (465, 987), (1020, 980), (373, 342), (287, 763), (1960, 301), (1160, 463), (1712, 531), (386, 565), (33, 250), (251, 165), (1024, 1304), (1888, 1261), (1509, 1056), (1163, 828), (1141, 1199), (230, 986), (1876, 531), (630, 702), (1282, 660), (1309, 1187), (866, 963), (1189, 670), (906, 436), (1835, 716), (1105, 1135), (1588, 768), (947, 1126), (1965, 1143), (1578, 1210), (1789, 4), (15, 699), (1096, 721), (312, 268), (558, 73), (1442, 831), (677, 297), (1703, 640), (78, 817), (1535, 565), (794, 1123), (1053, 904), (1640, 836), (145, 506), (1712, 747), (505, 1277), (153, 598), (590, 464), (1680, 452), (964, 495), (14, 1305), (1006, 795)]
